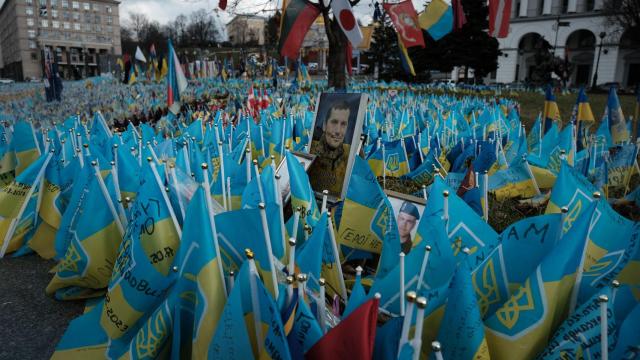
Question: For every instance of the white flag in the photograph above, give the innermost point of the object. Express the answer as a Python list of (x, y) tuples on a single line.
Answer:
[(140, 55), (344, 14)]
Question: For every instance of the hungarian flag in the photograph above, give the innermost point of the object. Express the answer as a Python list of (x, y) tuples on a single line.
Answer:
[(499, 13), (176, 81), (353, 338), (344, 14), (296, 21), (405, 19)]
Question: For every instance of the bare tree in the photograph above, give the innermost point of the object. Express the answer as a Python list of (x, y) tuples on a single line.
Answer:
[(626, 14), (137, 23), (201, 29)]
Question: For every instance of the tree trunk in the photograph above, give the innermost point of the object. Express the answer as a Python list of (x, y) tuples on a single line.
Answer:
[(337, 77)]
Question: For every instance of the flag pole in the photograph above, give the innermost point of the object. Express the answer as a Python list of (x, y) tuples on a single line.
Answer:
[(165, 197), (247, 160), (580, 271), (255, 303), (289, 280), (401, 265), (172, 170), (107, 198), (334, 245), (258, 180), (207, 193), (229, 193), (116, 185), (416, 342), (322, 307), (604, 339), (291, 266), (408, 317), (423, 267), (267, 239), (424, 192), (436, 349), (222, 177), (325, 194), (14, 222)]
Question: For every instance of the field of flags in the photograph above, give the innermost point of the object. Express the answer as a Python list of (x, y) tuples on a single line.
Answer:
[(178, 238)]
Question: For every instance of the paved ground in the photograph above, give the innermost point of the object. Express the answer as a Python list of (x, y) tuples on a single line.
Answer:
[(31, 323)]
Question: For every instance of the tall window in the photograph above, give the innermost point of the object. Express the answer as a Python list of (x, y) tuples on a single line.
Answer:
[(32, 34), (30, 22), (53, 3), (76, 16), (109, 20), (43, 3), (29, 2), (54, 13), (32, 44), (108, 9), (87, 6), (565, 6), (44, 23), (67, 25), (87, 27), (96, 7), (76, 4), (29, 11), (65, 4), (590, 5), (55, 24), (76, 26)]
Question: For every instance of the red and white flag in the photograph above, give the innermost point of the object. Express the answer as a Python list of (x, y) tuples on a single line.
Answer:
[(499, 14), (344, 14)]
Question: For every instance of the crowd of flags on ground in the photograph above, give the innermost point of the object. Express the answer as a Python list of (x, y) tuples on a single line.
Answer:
[(176, 233)]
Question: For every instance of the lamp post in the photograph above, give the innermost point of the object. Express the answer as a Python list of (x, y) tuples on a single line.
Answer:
[(595, 73)]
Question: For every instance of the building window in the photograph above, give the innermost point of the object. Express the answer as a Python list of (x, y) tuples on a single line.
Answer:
[(108, 29), (67, 25), (32, 44), (96, 7), (53, 3), (65, 4), (97, 19), (34, 56), (29, 11), (43, 3), (565, 6), (98, 28), (29, 2), (87, 6), (108, 9), (32, 34), (76, 16), (66, 15), (55, 24), (76, 26), (44, 23), (87, 27), (75, 4), (54, 14), (590, 5), (109, 20), (30, 22), (59, 55)]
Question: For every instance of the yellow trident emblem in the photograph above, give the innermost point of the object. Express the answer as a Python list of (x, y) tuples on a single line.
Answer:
[(149, 342), (487, 293), (509, 314), (571, 216), (70, 262)]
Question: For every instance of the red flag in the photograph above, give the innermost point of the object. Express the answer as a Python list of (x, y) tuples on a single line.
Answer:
[(499, 14), (296, 21), (405, 19), (459, 19), (469, 181), (352, 339)]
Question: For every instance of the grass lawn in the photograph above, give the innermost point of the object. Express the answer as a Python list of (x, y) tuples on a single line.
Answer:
[(531, 104)]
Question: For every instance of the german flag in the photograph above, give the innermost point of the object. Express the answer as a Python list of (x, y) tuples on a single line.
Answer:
[(296, 21)]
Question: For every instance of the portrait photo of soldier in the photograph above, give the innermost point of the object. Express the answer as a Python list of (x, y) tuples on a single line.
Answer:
[(335, 139), (407, 210)]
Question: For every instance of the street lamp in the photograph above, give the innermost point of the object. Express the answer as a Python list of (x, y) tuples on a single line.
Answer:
[(595, 73)]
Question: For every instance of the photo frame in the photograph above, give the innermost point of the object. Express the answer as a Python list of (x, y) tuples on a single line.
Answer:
[(412, 209), (284, 186), (336, 134)]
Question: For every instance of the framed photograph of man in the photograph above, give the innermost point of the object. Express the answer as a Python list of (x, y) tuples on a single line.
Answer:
[(284, 183), (336, 134), (408, 210)]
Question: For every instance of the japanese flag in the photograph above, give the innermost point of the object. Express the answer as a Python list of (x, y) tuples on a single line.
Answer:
[(344, 14)]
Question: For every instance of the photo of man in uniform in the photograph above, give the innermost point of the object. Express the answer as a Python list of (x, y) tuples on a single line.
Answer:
[(333, 138), (407, 220)]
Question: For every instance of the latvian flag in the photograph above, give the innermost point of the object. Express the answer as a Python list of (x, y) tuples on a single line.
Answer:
[(176, 81), (296, 21), (499, 13)]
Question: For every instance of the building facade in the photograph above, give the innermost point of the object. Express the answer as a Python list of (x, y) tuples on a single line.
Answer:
[(78, 34), (246, 30), (577, 31)]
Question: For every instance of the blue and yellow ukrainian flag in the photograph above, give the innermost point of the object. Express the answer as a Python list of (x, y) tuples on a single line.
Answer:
[(142, 274), (617, 124), (405, 60), (396, 160), (437, 19), (309, 256), (462, 331), (621, 165), (24, 146), (504, 268), (551, 113), (301, 193), (521, 326), (83, 338)]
